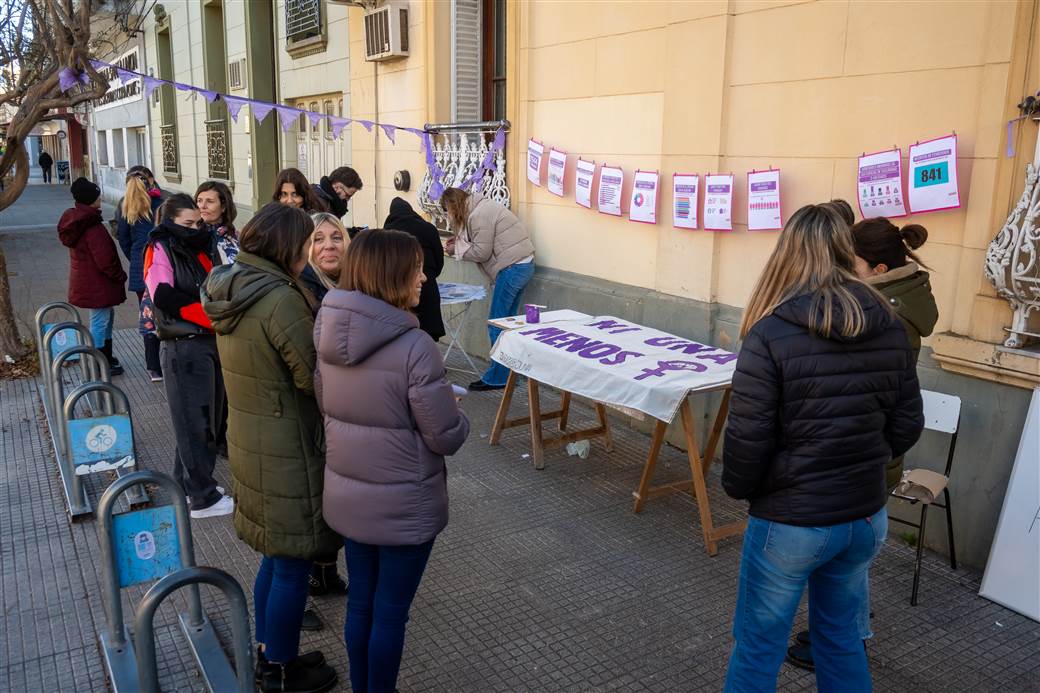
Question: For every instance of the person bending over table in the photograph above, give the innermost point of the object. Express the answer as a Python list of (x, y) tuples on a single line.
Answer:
[(487, 233)]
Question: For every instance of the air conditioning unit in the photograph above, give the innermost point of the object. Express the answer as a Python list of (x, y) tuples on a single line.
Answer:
[(236, 74), (386, 33)]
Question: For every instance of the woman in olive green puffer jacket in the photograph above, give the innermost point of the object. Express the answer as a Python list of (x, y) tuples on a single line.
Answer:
[(885, 259)]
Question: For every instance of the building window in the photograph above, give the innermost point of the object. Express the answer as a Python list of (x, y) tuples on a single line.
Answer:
[(493, 72), (139, 154), (119, 149), (313, 108), (102, 147), (304, 27), (327, 110)]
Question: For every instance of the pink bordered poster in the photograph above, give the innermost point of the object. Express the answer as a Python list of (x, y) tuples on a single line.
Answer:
[(763, 201), (932, 178), (880, 185), (584, 172), (718, 202), (608, 201), (643, 204), (557, 168), (535, 151), (684, 200)]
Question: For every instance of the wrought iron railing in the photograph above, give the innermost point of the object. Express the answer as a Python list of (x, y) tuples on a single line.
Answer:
[(302, 19), (459, 148), (217, 148), (1012, 261), (168, 139)]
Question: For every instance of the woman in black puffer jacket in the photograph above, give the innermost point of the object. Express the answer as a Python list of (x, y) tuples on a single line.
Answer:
[(825, 394)]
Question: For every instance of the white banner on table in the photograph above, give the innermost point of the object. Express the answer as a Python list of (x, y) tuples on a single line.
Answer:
[(718, 202), (763, 201), (615, 362), (932, 178), (535, 151), (608, 201), (684, 200), (584, 172), (643, 205), (557, 168), (880, 183)]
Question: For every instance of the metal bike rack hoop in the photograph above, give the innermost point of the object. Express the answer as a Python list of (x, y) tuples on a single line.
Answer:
[(42, 313), (148, 676)]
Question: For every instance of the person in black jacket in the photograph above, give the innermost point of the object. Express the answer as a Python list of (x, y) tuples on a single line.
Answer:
[(403, 218), (824, 395), (46, 164)]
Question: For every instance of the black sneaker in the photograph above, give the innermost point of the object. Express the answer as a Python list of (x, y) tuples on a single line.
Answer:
[(115, 369), (801, 657), (311, 621), (481, 386), (308, 659), (802, 638), (296, 677)]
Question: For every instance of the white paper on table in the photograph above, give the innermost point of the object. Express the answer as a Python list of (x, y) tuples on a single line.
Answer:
[(557, 168), (763, 201), (535, 150), (932, 178), (718, 202), (643, 205), (608, 201), (684, 200), (880, 185), (583, 175)]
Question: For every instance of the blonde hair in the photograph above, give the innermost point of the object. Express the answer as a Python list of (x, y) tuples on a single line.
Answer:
[(319, 219), (814, 255), (136, 203), (455, 202)]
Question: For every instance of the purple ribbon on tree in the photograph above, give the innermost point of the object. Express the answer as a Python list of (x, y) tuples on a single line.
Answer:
[(287, 115), (68, 78)]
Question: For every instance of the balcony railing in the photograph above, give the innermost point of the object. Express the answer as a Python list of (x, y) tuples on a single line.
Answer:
[(217, 149), (458, 149), (168, 139)]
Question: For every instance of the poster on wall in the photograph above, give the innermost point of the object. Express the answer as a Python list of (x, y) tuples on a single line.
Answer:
[(718, 202), (583, 175), (1013, 569), (557, 167), (535, 150), (763, 201), (932, 178), (609, 199), (880, 183), (643, 205), (684, 200)]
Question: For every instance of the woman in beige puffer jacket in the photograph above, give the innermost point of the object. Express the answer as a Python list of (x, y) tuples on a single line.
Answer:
[(487, 233)]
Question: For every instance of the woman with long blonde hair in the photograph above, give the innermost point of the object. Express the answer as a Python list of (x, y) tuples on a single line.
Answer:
[(325, 250), (135, 219), (824, 395)]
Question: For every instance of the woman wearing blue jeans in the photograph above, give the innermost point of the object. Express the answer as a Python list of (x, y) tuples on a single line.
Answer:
[(493, 237), (825, 394)]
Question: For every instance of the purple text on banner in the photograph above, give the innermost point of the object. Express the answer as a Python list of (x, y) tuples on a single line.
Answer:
[(645, 184), (932, 155), (763, 186), (718, 188)]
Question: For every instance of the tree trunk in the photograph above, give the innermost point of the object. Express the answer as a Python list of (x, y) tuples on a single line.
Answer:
[(10, 342)]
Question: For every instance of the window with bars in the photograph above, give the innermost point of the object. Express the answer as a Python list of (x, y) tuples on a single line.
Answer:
[(327, 110), (302, 19)]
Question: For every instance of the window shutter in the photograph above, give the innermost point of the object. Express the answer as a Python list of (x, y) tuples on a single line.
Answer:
[(465, 60)]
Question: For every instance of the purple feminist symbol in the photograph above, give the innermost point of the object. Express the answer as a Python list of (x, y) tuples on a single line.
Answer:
[(665, 366)]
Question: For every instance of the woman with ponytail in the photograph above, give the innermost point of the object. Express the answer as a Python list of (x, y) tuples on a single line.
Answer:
[(135, 219)]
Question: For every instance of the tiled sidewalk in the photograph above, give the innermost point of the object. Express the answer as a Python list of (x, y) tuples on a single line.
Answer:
[(543, 581)]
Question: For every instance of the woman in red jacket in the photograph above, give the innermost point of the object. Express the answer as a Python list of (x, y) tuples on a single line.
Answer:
[(96, 275)]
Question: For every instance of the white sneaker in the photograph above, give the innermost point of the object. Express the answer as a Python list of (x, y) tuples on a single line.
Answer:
[(224, 506), (187, 499)]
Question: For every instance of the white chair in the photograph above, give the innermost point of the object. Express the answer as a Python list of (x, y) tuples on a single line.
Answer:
[(942, 413)]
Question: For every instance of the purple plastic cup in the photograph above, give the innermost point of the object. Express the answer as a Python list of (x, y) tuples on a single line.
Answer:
[(533, 312)]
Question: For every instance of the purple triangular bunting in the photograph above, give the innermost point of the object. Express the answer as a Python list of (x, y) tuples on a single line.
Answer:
[(338, 124), (287, 116), (234, 105)]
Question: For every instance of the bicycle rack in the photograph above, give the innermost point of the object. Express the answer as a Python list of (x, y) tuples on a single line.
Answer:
[(147, 675), (99, 443), (42, 327), (95, 369), (142, 545)]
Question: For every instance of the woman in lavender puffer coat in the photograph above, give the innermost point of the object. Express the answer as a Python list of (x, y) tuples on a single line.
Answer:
[(390, 418)]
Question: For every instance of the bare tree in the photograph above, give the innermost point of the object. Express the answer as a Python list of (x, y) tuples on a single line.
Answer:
[(38, 40)]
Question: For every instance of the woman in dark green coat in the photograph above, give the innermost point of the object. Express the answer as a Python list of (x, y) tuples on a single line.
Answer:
[(885, 259), (264, 327)]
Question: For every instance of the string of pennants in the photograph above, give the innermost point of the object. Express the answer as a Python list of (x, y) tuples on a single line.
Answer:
[(288, 115), (930, 186)]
